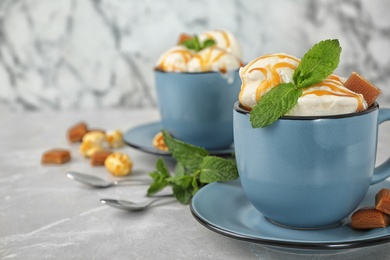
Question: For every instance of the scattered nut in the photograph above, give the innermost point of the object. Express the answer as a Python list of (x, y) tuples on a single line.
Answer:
[(56, 156), (87, 149), (95, 137), (94, 145), (159, 143), (118, 164), (114, 139)]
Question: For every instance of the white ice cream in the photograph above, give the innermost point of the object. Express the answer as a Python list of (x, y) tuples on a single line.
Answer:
[(329, 97), (213, 59), (224, 40), (175, 59), (222, 57)]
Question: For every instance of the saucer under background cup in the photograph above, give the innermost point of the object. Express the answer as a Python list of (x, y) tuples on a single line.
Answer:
[(141, 138)]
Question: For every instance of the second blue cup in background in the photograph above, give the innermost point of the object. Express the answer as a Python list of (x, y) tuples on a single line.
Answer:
[(197, 107)]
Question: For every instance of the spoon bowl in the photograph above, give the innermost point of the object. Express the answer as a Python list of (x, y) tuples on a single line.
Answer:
[(97, 182), (133, 206)]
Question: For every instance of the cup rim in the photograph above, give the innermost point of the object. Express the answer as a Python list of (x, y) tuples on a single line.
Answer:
[(193, 73), (374, 106)]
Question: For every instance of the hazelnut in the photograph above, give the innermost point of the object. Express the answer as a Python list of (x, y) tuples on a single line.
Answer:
[(114, 139), (159, 143), (118, 164)]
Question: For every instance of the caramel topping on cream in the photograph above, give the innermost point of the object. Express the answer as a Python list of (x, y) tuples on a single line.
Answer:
[(330, 96), (175, 59), (333, 86), (264, 73)]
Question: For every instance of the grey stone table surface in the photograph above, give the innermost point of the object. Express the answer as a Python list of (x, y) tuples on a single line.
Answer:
[(44, 215)]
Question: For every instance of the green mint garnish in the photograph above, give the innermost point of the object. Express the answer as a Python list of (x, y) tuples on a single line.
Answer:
[(189, 156), (195, 168), (196, 45), (217, 169), (316, 65), (276, 103), (159, 177)]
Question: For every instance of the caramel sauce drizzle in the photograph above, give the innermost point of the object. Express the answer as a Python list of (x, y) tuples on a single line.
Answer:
[(224, 35), (207, 60), (184, 53), (269, 82), (335, 88)]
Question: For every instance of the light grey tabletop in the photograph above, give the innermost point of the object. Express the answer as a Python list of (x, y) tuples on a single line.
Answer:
[(44, 215)]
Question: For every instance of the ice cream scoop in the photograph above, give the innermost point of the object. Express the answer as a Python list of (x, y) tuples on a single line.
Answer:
[(224, 40), (213, 59), (175, 59), (222, 54), (329, 97)]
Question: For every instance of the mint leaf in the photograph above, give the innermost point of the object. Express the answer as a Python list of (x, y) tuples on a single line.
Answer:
[(191, 44), (318, 63), (195, 45), (217, 169), (179, 169), (195, 182), (188, 155), (182, 194), (183, 187), (160, 177), (276, 103), (208, 43)]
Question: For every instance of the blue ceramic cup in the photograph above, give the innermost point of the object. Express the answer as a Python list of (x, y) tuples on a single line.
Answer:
[(196, 107), (309, 172)]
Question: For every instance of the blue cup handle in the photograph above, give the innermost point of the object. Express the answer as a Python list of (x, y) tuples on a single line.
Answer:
[(382, 172)]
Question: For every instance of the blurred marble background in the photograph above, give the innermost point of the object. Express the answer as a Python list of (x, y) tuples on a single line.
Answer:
[(97, 54)]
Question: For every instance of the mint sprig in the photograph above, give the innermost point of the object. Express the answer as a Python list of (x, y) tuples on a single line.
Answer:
[(316, 65), (196, 45), (195, 168)]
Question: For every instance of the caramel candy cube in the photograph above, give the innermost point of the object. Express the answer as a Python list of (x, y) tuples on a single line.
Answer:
[(368, 218), (56, 156), (76, 132), (184, 37), (360, 85), (98, 158), (382, 201)]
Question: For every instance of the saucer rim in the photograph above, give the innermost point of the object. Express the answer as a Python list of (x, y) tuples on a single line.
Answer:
[(151, 150), (287, 244)]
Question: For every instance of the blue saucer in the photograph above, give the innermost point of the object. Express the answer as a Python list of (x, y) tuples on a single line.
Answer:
[(141, 138), (224, 208)]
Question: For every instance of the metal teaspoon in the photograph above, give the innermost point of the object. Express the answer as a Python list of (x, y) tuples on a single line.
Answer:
[(133, 206), (97, 182)]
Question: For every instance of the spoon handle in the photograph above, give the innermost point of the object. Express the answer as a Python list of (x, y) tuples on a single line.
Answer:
[(118, 182), (158, 197), (169, 195)]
